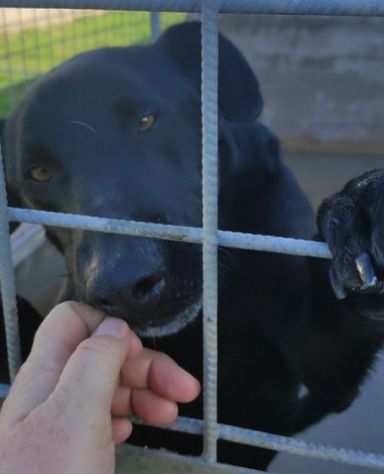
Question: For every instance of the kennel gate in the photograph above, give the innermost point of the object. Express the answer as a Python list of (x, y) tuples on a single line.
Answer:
[(209, 235), (32, 41)]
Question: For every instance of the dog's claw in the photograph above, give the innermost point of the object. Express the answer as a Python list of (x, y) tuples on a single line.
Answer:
[(370, 282), (338, 289)]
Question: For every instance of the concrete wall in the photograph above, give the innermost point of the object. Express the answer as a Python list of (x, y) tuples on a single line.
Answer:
[(322, 78)]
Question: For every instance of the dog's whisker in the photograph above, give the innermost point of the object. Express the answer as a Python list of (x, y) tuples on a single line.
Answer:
[(84, 124), (63, 275)]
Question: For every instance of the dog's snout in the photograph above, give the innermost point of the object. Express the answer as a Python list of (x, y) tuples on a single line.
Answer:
[(148, 289), (136, 297)]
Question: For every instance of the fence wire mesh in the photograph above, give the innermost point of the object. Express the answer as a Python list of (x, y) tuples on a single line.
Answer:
[(32, 41)]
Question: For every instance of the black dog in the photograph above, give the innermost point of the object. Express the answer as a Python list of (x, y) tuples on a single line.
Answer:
[(116, 132)]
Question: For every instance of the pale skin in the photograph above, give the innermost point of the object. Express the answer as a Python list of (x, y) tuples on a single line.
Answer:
[(68, 407)]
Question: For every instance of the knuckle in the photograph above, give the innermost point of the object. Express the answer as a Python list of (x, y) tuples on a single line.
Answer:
[(65, 307)]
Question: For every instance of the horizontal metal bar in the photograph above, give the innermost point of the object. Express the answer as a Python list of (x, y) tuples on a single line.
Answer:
[(133, 459), (284, 444), (282, 7), (169, 232), (301, 448), (271, 441)]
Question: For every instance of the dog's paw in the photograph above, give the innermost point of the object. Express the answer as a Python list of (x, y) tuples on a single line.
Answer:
[(352, 223)]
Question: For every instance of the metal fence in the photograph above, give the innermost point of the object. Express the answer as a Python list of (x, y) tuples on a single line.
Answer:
[(33, 41), (209, 236)]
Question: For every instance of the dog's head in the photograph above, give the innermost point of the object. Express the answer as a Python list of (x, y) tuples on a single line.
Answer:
[(116, 132)]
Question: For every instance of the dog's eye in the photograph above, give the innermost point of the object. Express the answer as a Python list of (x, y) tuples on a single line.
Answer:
[(147, 121), (40, 174)]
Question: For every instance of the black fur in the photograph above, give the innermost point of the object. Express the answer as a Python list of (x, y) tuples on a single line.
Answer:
[(280, 325)]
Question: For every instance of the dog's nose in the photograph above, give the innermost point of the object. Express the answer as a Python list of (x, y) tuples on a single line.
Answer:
[(148, 289), (140, 296)]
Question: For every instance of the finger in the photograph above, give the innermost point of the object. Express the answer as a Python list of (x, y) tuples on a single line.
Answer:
[(150, 407), (121, 430), (58, 336), (159, 373), (121, 403), (153, 409), (92, 372)]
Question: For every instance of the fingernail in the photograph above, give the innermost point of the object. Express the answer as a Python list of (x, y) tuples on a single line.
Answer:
[(112, 327)]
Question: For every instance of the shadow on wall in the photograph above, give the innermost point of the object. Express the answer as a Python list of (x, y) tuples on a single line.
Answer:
[(322, 78)]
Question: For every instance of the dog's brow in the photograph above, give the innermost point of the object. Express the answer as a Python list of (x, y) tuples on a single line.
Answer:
[(125, 107), (84, 124)]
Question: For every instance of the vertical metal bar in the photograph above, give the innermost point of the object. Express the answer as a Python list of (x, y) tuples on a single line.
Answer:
[(209, 98), (4, 390), (50, 21), (155, 25), (7, 278), (23, 53), (37, 63), (5, 38)]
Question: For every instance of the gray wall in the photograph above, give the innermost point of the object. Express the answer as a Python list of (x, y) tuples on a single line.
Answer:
[(322, 78)]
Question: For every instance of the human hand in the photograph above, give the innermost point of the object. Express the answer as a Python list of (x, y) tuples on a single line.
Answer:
[(67, 408)]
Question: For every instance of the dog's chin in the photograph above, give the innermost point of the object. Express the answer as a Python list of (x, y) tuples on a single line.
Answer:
[(179, 322)]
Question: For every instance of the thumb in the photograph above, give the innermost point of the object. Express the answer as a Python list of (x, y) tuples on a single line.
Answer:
[(91, 375), (57, 338)]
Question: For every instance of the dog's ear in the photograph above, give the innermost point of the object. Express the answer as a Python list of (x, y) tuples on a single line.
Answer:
[(240, 99), (252, 147)]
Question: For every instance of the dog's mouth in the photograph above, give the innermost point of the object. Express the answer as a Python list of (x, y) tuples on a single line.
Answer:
[(171, 325), (157, 313), (165, 322)]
